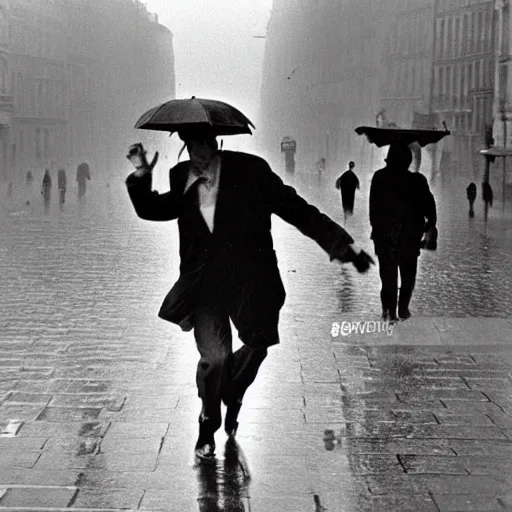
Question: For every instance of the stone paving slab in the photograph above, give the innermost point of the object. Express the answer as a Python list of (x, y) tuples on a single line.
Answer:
[(27, 497)]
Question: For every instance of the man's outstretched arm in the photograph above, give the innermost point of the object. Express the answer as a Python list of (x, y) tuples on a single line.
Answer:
[(284, 201)]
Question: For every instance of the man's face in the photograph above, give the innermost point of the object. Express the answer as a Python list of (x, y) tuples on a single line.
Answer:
[(199, 151)]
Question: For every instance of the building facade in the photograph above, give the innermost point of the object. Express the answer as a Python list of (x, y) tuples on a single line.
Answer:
[(463, 94), (502, 81), (78, 73), (406, 73), (320, 78), (501, 171)]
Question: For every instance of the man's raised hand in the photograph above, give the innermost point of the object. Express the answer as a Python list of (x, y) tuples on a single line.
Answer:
[(137, 156)]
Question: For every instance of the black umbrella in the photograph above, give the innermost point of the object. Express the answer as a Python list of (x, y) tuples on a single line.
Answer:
[(192, 113), (385, 136)]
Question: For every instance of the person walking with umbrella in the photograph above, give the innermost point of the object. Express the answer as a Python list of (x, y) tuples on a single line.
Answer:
[(223, 202), (402, 211), (347, 184)]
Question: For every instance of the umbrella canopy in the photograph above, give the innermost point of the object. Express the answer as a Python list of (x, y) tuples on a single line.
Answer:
[(500, 152), (385, 136), (175, 115)]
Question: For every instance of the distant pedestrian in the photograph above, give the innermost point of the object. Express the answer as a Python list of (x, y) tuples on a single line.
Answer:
[(61, 183), (347, 183), (471, 195), (83, 175), (487, 194), (46, 188), (29, 178), (402, 210)]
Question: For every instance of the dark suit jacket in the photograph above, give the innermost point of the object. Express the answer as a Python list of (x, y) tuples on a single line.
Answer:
[(402, 208), (238, 256)]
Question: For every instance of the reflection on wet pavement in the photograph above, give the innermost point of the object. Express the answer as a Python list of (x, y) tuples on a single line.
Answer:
[(224, 486)]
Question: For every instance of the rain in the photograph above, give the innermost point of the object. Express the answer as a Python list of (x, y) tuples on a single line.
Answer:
[(255, 348)]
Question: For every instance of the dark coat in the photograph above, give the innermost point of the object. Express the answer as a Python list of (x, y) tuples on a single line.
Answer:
[(61, 179), (239, 255), (83, 173), (402, 208), (347, 183), (47, 182)]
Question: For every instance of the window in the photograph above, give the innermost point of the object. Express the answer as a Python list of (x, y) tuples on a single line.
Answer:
[(472, 36), (465, 34), (413, 78), (457, 38), (441, 39), (39, 153), (484, 31), (503, 83), (487, 74), (40, 98), (441, 82), (21, 143), (410, 72), (455, 83), (3, 27), (505, 40), (449, 42), (448, 81), (3, 76), (477, 74), (479, 31), (463, 81), (46, 135)]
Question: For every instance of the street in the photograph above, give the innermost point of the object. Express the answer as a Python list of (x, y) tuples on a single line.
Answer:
[(419, 419)]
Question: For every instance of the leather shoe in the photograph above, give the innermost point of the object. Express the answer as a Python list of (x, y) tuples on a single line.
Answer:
[(230, 420), (404, 314), (205, 446), (387, 316)]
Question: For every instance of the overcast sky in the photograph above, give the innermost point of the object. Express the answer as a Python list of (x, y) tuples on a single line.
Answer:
[(215, 52)]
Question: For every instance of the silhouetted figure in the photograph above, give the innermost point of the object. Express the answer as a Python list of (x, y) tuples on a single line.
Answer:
[(46, 189), (487, 194), (471, 194), (223, 201), (400, 201), (29, 178), (347, 183), (82, 176), (61, 183)]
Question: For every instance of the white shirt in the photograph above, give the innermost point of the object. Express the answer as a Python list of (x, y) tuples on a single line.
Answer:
[(208, 191)]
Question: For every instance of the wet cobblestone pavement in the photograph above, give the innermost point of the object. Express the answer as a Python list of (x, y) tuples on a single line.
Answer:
[(419, 419)]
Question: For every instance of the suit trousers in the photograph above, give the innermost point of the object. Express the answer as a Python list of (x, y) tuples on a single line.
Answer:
[(222, 375), (391, 261)]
